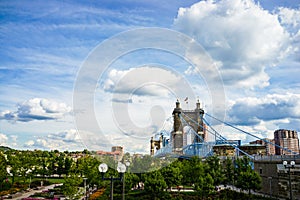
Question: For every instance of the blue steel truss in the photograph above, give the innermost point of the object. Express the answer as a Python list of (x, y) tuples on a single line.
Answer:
[(204, 149)]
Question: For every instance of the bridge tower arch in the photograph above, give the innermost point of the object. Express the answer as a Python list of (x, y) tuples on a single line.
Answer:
[(194, 118)]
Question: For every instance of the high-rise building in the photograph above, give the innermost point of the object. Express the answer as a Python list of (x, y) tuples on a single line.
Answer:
[(288, 140)]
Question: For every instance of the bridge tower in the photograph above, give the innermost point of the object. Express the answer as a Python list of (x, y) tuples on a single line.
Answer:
[(194, 118), (177, 133)]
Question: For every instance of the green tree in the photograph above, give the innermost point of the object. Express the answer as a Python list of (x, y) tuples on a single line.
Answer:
[(249, 180), (70, 187), (68, 165), (172, 174), (228, 171), (214, 168), (154, 183), (3, 166), (60, 165), (131, 180), (205, 185), (191, 170), (14, 164), (142, 164), (246, 177), (90, 170)]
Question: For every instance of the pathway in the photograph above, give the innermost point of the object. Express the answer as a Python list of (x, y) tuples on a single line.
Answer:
[(31, 192)]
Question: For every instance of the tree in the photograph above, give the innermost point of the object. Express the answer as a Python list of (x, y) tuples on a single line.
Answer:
[(191, 170), (143, 164), (205, 185), (249, 180), (131, 180), (154, 183), (172, 174), (214, 168), (246, 177), (14, 164), (60, 165), (228, 171), (70, 187), (68, 165), (3, 166)]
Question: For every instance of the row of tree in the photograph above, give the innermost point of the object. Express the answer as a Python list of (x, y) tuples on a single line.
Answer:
[(204, 176), (157, 175)]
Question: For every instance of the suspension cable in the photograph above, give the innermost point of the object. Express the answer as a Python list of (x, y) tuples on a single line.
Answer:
[(232, 126), (220, 136)]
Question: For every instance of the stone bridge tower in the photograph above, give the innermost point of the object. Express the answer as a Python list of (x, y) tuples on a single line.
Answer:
[(194, 119)]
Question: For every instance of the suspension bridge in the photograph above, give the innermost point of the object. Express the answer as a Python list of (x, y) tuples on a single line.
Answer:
[(189, 136)]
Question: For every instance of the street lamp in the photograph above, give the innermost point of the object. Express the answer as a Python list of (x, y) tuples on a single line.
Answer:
[(84, 188), (270, 182), (127, 164), (103, 169), (289, 166)]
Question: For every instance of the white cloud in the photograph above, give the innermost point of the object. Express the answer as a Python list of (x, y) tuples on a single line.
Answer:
[(240, 35), (273, 107), (29, 143), (152, 81), (3, 139), (289, 16), (65, 140), (67, 136), (37, 109)]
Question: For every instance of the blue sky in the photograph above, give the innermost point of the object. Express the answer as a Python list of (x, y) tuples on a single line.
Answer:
[(254, 46)]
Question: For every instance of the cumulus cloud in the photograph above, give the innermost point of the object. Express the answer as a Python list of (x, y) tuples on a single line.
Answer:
[(274, 107), (68, 139), (151, 81), (3, 139), (67, 136), (36, 109), (241, 36), (40, 144), (291, 19), (289, 16)]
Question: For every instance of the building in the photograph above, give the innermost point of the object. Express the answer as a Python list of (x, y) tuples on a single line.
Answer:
[(155, 144), (117, 149), (288, 140), (116, 152), (226, 147), (253, 149), (268, 143), (275, 177), (224, 150)]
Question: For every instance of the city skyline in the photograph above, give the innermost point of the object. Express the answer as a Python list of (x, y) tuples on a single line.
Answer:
[(253, 44)]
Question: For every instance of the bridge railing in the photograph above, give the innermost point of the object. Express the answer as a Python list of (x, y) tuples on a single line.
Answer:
[(276, 157), (164, 151), (269, 157)]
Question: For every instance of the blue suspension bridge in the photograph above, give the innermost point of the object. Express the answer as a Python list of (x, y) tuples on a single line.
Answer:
[(189, 134)]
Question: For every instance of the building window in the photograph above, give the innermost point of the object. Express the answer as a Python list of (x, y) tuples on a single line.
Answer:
[(260, 171)]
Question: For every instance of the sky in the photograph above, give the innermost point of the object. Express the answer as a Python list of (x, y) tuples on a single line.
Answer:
[(91, 74)]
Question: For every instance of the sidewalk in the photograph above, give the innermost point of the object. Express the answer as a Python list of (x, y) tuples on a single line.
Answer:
[(28, 194), (233, 188)]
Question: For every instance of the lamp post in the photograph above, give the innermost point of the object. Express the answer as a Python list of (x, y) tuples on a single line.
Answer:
[(85, 188), (103, 169), (127, 164), (270, 182), (289, 166)]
